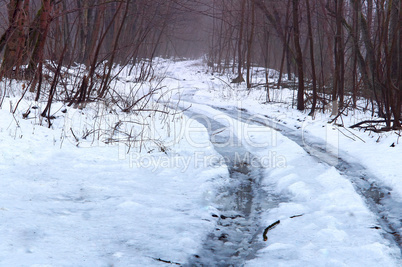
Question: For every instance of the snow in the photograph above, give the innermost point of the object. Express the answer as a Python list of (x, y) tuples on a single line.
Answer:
[(358, 146), (68, 202), (336, 225), (92, 205)]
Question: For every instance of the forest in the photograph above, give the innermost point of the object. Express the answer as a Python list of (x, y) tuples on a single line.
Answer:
[(200, 133), (338, 51)]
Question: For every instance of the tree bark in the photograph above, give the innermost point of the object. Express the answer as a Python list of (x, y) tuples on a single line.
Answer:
[(313, 74), (299, 56), (239, 78), (15, 37), (338, 88), (41, 32), (250, 44)]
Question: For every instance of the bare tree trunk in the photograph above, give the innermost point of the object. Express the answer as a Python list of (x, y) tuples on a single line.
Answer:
[(321, 49), (15, 36), (394, 64), (239, 77), (100, 12), (354, 74), (299, 56), (265, 52), (339, 55), (250, 44), (285, 51), (310, 36), (399, 73), (83, 22), (40, 33), (364, 71)]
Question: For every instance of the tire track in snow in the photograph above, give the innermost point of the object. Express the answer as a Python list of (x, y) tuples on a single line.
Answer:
[(237, 232), (378, 198)]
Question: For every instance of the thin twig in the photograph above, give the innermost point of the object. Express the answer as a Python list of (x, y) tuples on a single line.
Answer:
[(166, 261), (272, 226)]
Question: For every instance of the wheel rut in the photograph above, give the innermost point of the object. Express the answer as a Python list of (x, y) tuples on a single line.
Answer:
[(236, 237), (379, 198)]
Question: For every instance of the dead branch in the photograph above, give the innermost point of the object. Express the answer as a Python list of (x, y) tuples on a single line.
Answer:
[(272, 226)]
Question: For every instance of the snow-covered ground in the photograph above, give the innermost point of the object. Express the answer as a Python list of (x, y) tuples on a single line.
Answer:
[(69, 202), (337, 228), (381, 153)]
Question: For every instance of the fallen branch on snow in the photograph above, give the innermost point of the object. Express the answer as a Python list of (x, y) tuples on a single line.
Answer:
[(165, 261), (272, 226)]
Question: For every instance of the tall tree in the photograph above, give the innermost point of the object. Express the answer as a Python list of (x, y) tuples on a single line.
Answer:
[(312, 60), (38, 37), (239, 77), (299, 56), (14, 39), (250, 44), (338, 88)]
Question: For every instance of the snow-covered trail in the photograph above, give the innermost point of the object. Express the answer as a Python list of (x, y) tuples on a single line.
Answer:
[(380, 200), (204, 199), (325, 220), (236, 237), (307, 190)]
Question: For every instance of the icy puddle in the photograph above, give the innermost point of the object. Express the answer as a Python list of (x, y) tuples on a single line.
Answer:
[(238, 233)]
